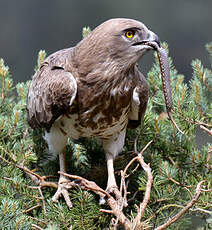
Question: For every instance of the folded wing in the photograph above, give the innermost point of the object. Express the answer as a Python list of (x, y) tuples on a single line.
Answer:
[(50, 95)]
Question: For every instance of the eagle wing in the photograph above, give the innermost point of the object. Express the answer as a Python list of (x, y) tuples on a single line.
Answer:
[(138, 102), (51, 93)]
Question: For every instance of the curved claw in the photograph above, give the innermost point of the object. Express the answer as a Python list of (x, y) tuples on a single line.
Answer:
[(63, 186), (102, 200), (115, 191)]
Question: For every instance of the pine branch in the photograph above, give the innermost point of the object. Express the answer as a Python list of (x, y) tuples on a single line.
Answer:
[(184, 210)]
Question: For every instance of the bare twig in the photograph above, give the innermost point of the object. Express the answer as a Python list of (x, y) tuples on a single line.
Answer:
[(135, 158), (133, 171), (143, 205), (185, 209), (190, 121), (164, 208), (133, 197), (209, 157), (38, 220), (34, 226), (10, 154), (43, 201), (135, 144), (173, 180), (140, 211), (202, 210), (37, 179), (206, 190), (209, 131), (32, 208)]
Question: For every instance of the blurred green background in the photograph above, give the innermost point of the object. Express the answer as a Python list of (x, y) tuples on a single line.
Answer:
[(26, 26)]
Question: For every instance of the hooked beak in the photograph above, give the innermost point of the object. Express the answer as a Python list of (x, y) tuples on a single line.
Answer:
[(152, 40)]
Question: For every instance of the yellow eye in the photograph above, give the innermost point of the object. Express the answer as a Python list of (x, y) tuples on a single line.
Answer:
[(130, 34)]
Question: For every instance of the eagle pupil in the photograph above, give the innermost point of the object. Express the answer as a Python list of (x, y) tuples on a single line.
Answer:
[(129, 34)]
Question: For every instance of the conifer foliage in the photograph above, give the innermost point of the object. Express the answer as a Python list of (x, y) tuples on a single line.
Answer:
[(177, 164)]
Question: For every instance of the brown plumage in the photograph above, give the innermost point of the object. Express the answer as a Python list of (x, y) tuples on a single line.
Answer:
[(92, 90)]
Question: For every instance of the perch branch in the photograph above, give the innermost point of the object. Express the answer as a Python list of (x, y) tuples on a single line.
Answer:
[(115, 205), (115, 209), (84, 183)]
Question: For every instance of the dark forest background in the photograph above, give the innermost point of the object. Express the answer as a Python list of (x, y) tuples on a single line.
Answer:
[(28, 26)]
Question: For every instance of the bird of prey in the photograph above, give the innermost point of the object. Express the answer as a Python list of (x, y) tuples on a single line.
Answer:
[(92, 90)]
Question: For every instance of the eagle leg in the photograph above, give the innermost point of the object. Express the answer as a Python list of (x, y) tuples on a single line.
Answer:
[(112, 147), (111, 182), (56, 142), (63, 183), (112, 187)]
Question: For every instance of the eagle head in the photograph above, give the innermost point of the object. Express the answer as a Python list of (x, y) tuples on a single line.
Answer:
[(120, 40)]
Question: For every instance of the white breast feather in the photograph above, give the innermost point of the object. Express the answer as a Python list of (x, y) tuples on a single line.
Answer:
[(134, 108), (73, 85)]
